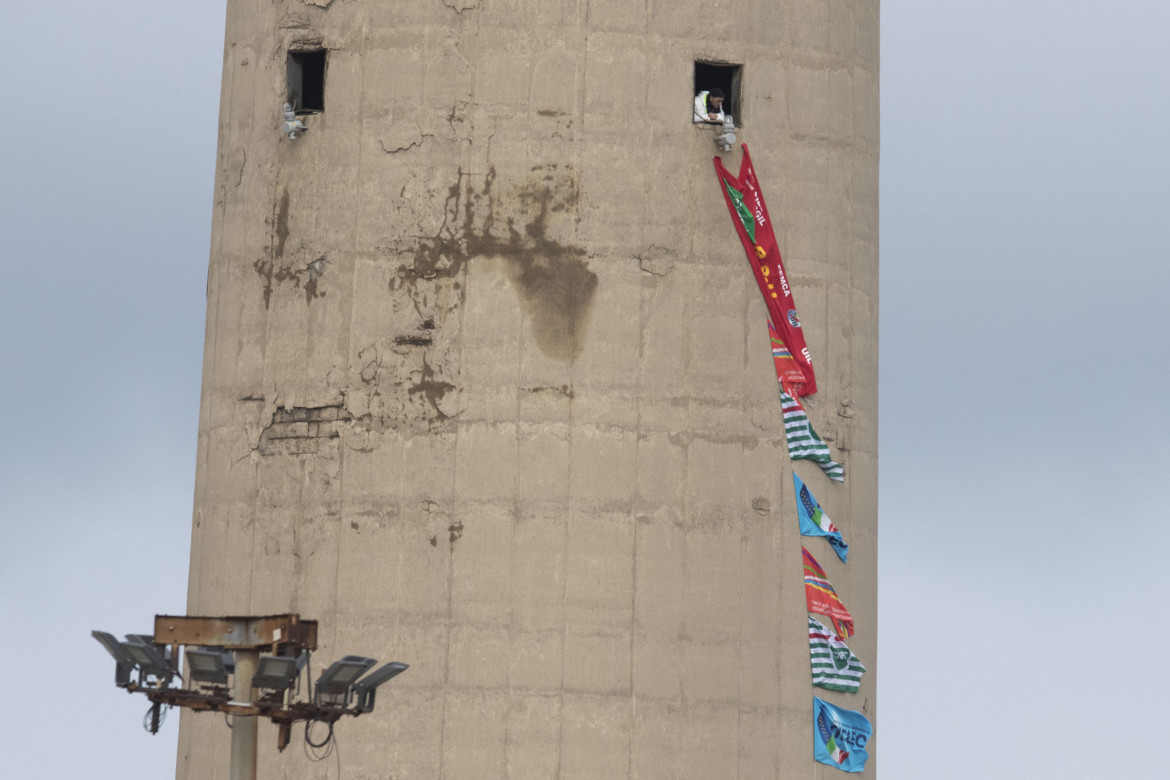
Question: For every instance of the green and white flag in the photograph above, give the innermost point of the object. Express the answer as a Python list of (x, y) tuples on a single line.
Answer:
[(803, 442), (834, 666)]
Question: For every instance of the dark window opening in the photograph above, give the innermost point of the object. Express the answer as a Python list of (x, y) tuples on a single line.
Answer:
[(725, 76), (306, 81)]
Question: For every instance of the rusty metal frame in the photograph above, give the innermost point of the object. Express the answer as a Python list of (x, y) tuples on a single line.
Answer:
[(276, 711), (287, 632), (278, 634)]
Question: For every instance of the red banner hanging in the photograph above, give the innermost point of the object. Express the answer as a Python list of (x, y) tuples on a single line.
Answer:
[(821, 599), (745, 201)]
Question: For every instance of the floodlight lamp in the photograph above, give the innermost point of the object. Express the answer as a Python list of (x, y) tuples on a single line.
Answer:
[(207, 666), (276, 672), (365, 688), (336, 680), (124, 663), (150, 661), (229, 660), (148, 641)]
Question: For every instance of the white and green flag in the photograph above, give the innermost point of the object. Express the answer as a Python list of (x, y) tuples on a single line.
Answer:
[(834, 666), (803, 442)]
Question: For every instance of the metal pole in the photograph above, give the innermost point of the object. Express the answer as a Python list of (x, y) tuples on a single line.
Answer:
[(244, 728)]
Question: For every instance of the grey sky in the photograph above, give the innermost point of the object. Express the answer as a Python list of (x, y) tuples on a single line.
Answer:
[(1025, 188), (107, 154)]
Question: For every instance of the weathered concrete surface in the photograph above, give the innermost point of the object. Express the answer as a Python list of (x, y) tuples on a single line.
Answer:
[(488, 389)]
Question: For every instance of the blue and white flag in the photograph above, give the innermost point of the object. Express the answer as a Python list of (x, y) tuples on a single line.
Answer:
[(840, 736), (814, 521)]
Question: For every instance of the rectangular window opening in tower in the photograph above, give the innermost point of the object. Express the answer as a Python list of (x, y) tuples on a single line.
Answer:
[(306, 81), (712, 75)]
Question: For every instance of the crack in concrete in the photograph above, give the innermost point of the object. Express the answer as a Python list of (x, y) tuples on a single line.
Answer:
[(409, 146), (656, 260), (459, 6)]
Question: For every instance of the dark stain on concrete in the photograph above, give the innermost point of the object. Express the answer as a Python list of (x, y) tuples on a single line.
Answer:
[(264, 270), (273, 273), (565, 390), (431, 390), (684, 439), (412, 341), (275, 269), (552, 280), (281, 224), (456, 531), (311, 291), (554, 283), (315, 270)]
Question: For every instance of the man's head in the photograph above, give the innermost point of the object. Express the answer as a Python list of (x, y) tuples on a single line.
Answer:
[(715, 98)]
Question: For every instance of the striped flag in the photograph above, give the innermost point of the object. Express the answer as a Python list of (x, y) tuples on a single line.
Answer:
[(803, 442), (814, 521), (834, 666), (822, 599)]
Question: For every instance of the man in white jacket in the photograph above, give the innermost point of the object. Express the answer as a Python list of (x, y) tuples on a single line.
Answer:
[(709, 106)]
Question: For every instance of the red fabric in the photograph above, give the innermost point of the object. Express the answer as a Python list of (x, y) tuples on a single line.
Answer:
[(764, 256), (821, 599)]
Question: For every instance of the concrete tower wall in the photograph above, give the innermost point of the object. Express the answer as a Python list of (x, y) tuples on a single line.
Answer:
[(488, 387)]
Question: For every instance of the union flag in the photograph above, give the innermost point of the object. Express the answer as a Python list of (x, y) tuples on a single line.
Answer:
[(822, 599)]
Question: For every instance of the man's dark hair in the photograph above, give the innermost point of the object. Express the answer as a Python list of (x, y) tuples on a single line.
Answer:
[(716, 92)]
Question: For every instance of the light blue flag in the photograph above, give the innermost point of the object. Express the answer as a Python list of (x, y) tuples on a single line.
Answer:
[(814, 521), (840, 736)]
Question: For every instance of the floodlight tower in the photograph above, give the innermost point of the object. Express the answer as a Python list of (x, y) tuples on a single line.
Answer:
[(226, 672), (487, 379)]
